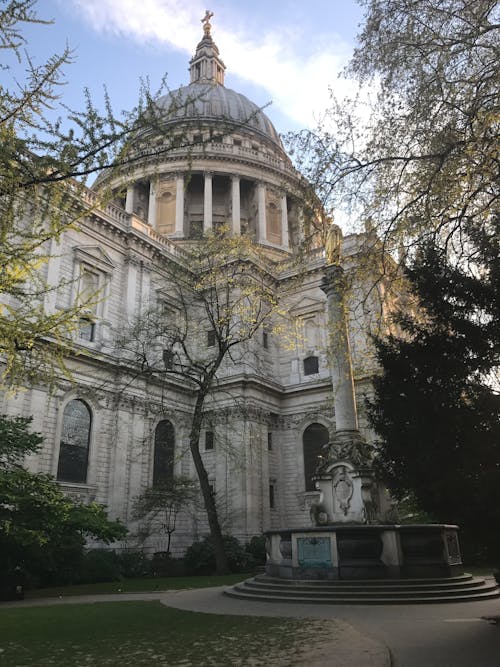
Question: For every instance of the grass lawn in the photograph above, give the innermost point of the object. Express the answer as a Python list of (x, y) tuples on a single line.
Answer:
[(138, 585), (146, 633)]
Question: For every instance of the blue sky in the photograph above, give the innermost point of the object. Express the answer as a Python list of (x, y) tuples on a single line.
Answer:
[(280, 51)]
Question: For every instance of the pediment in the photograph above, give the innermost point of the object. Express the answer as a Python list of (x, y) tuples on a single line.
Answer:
[(95, 256), (307, 305)]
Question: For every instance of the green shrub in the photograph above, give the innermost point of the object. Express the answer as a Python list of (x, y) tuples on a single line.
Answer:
[(163, 565), (134, 564), (100, 565), (200, 558), (257, 549)]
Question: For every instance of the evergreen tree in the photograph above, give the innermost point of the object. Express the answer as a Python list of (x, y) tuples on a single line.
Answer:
[(437, 401)]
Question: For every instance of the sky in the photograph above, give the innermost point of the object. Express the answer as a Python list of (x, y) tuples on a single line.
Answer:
[(284, 53)]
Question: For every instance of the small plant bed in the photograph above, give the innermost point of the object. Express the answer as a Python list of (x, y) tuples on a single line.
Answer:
[(139, 585), (147, 633)]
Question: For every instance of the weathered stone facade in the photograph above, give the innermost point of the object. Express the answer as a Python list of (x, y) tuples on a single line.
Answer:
[(240, 176)]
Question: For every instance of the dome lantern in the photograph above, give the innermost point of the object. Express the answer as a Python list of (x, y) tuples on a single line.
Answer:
[(206, 66)]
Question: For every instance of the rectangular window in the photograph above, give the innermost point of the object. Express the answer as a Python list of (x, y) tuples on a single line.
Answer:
[(311, 366), (86, 329), (209, 440), (269, 441), (272, 497), (236, 142), (198, 138), (210, 338), (89, 291), (265, 339)]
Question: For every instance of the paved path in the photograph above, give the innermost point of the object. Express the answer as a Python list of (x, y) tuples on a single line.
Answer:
[(440, 635)]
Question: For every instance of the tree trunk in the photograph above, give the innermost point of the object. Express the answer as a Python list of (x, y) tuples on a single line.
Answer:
[(221, 562)]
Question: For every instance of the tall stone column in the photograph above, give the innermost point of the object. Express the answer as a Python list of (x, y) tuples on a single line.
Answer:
[(284, 222), (129, 200), (346, 480), (152, 204), (179, 205), (333, 285), (236, 205), (261, 203), (207, 203)]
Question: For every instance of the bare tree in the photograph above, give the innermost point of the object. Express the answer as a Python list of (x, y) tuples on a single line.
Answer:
[(221, 296)]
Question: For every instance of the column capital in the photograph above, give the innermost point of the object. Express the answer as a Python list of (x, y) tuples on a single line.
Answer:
[(334, 280)]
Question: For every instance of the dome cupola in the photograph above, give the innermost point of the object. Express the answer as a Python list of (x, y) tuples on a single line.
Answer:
[(206, 66)]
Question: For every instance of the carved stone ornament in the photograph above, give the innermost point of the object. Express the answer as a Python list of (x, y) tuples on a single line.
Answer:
[(343, 489), (352, 448)]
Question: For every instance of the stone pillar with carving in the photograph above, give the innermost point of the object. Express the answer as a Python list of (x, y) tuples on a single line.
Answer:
[(349, 491), (346, 417)]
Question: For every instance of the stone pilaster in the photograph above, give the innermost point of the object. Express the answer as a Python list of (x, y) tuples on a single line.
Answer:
[(284, 223)]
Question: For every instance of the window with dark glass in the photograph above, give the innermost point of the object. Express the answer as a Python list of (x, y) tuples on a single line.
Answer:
[(311, 365), (269, 441), (209, 440), (210, 338), (86, 329), (272, 497), (314, 438), (164, 451), (75, 440), (265, 339)]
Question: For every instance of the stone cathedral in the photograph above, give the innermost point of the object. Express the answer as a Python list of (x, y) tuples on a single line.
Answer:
[(105, 433)]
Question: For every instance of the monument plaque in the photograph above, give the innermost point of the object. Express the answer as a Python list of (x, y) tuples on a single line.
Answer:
[(314, 551)]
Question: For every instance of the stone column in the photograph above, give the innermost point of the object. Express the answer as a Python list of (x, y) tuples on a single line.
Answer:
[(179, 206), (129, 201), (152, 204), (207, 203), (284, 223), (333, 285), (261, 201), (236, 206)]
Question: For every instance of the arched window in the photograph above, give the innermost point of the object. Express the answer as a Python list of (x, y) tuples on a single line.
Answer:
[(75, 440), (315, 436), (163, 465)]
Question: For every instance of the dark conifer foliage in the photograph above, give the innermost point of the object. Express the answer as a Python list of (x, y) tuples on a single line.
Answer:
[(437, 401)]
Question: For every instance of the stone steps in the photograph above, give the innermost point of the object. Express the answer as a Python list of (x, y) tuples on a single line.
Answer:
[(390, 591)]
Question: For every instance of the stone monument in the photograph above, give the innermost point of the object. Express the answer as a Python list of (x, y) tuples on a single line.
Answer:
[(349, 490), (352, 535)]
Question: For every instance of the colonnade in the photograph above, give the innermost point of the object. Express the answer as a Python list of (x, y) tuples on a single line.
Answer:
[(235, 220)]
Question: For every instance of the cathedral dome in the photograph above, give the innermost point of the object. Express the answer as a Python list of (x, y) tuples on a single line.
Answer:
[(211, 101)]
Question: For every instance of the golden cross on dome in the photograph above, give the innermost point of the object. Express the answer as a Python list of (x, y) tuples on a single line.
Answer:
[(206, 22)]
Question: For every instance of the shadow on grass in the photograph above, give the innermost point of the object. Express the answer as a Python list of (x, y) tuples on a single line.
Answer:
[(137, 585), (145, 633)]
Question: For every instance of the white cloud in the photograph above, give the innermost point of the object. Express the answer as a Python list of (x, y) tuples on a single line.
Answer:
[(297, 82)]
